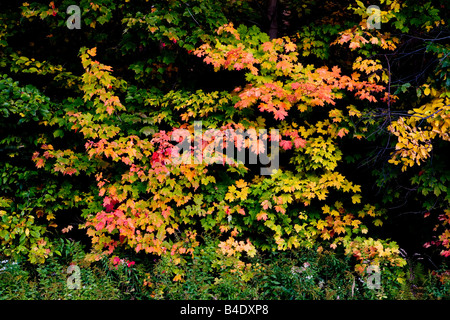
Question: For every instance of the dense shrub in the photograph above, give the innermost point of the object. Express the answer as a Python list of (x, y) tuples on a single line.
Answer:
[(349, 134), (297, 275)]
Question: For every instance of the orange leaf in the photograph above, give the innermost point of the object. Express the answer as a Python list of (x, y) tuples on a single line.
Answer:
[(290, 47), (92, 52)]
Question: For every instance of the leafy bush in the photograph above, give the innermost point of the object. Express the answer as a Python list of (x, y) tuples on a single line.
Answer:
[(211, 274), (92, 122)]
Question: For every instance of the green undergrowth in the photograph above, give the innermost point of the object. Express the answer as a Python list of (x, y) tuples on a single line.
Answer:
[(211, 275)]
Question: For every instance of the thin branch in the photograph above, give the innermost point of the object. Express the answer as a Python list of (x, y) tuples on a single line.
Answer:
[(187, 7)]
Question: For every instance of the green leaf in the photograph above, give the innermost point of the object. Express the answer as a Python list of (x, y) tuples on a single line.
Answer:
[(437, 191), (58, 133)]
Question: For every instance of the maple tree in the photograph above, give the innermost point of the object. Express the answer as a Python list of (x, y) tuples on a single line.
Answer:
[(98, 134)]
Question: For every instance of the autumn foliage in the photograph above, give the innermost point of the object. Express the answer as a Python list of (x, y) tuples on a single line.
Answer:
[(92, 119)]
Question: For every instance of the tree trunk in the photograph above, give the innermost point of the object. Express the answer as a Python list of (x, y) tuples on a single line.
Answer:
[(272, 16)]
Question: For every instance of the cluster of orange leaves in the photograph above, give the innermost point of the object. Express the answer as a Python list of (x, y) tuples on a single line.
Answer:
[(278, 58)]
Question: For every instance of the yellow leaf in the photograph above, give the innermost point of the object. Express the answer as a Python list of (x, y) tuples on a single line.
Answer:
[(427, 91), (325, 236), (339, 229), (177, 278), (241, 183), (243, 193), (334, 213), (356, 223), (400, 280), (321, 224), (378, 222), (229, 196), (50, 216), (92, 52)]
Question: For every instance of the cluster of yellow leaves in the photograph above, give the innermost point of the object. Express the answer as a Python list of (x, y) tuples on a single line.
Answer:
[(370, 67), (416, 132), (359, 38), (239, 191), (27, 65), (98, 81), (201, 105)]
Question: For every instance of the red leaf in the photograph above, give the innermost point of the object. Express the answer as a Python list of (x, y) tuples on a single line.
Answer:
[(280, 114), (342, 132), (286, 144), (299, 142), (295, 85)]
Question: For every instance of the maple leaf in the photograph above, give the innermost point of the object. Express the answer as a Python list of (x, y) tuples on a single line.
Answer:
[(243, 193), (354, 45), (321, 224), (295, 85), (178, 277), (229, 196), (280, 209), (342, 132), (286, 144), (261, 216), (258, 147), (336, 71), (299, 143), (284, 65), (92, 52), (290, 46), (336, 115), (241, 183), (356, 223), (280, 114), (266, 204), (109, 109), (238, 66), (374, 40), (345, 38), (356, 198), (378, 222), (40, 163), (339, 228), (325, 235), (267, 46)]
